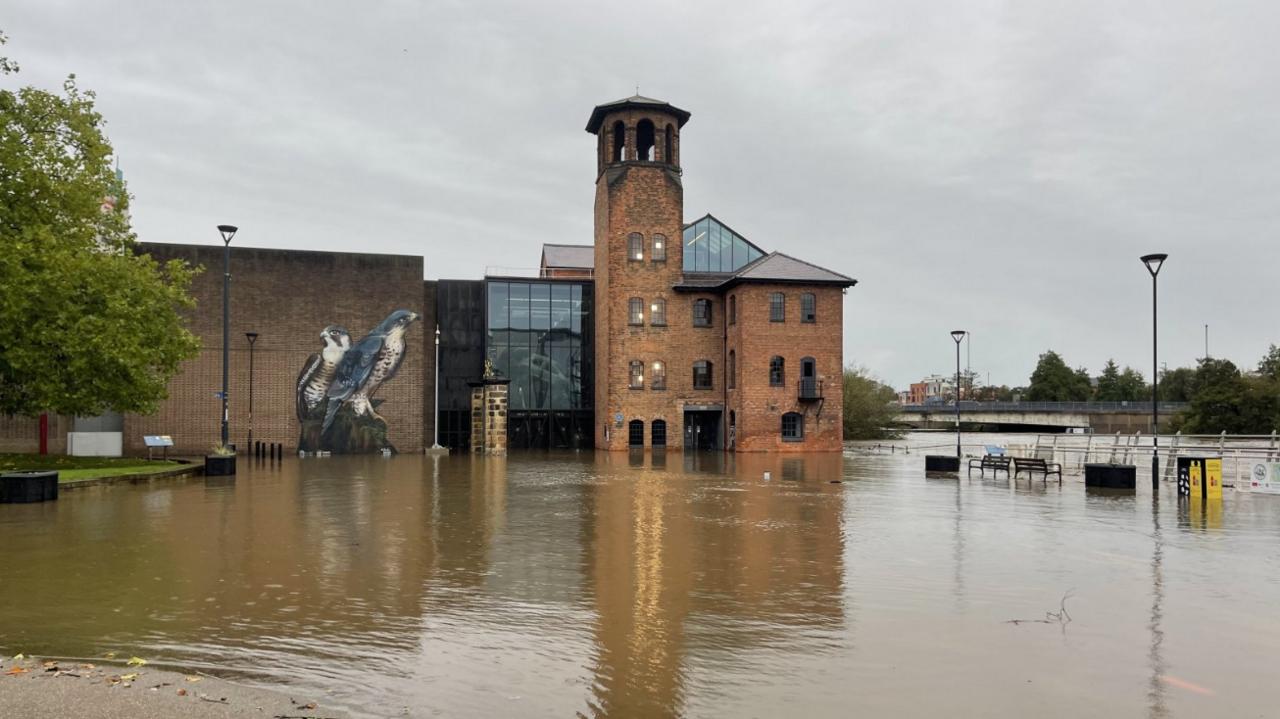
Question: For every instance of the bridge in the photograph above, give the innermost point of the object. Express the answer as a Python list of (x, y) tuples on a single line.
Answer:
[(1101, 417)]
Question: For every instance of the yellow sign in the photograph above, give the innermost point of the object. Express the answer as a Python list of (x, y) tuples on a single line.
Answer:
[(1213, 478), (1197, 486)]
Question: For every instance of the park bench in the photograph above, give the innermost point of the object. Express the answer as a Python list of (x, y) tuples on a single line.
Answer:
[(1031, 465), (995, 460)]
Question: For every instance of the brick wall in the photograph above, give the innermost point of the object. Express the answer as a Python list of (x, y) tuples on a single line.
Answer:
[(757, 406), (288, 297), (22, 434)]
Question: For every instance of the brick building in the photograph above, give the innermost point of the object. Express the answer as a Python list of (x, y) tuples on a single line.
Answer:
[(661, 334)]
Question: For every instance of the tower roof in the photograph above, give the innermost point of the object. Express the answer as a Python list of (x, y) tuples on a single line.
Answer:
[(637, 101)]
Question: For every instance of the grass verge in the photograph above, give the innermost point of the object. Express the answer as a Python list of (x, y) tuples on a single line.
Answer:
[(72, 468)]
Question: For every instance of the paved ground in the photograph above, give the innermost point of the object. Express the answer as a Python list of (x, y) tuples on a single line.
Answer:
[(71, 690)]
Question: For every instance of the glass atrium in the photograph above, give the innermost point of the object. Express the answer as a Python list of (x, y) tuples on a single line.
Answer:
[(711, 247)]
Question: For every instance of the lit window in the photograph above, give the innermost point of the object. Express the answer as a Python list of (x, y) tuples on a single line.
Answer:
[(808, 307), (702, 313), (637, 374), (777, 372), (635, 311), (702, 374), (792, 427), (658, 313), (658, 253), (635, 247), (777, 307), (659, 375)]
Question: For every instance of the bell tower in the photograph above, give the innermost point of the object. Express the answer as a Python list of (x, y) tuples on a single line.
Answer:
[(639, 222)]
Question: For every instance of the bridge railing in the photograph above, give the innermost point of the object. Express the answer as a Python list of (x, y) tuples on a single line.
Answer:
[(970, 406)]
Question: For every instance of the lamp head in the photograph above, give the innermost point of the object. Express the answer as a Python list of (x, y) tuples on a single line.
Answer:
[(228, 231), (958, 335), (1153, 262), (251, 336)]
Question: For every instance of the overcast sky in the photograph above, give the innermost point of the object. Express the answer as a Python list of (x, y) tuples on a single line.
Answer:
[(991, 166)]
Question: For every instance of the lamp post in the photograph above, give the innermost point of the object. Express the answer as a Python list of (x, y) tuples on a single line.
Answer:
[(958, 336), (435, 423), (1153, 263), (227, 231), (252, 337)]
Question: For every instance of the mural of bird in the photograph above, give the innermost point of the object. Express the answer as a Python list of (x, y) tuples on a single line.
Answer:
[(370, 362), (318, 371)]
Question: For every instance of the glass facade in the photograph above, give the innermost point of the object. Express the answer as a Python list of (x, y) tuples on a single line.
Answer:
[(539, 337), (460, 312), (711, 247)]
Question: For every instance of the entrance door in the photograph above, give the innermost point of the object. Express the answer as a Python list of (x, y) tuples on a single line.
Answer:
[(701, 430)]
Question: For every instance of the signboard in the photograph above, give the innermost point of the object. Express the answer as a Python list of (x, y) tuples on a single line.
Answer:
[(158, 440), (1200, 477), (1264, 477)]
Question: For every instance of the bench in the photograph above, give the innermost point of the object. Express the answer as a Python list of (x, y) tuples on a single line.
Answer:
[(993, 462), (1031, 465)]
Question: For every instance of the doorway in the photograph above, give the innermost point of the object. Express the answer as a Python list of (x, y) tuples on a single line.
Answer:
[(701, 430)]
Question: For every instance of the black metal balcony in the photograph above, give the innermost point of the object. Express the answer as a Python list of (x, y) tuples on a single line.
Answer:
[(810, 389)]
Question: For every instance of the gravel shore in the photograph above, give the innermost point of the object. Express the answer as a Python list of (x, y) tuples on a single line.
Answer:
[(49, 688)]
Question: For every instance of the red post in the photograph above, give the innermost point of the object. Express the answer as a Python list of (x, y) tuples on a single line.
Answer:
[(44, 433)]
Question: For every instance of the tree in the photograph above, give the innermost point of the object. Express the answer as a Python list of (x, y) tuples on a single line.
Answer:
[(1225, 400), (1175, 385), (869, 412), (1109, 383), (1054, 381), (1132, 387), (1269, 367), (87, 324)]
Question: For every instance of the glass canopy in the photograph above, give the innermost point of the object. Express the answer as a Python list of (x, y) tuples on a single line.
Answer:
[(711, 247)]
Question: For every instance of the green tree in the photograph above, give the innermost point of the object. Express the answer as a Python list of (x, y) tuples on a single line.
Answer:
[(1054, 381), (1109, 383), (1175, 385), (869, 410), (1132, 387), (88, 325), (1269, 367), (1223, 399)]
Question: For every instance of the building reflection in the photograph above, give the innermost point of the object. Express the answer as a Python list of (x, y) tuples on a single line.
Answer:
[(701, 567)]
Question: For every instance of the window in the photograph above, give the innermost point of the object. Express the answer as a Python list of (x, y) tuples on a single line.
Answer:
[(809, 378), (658, 433), (702, 313), (658, 252), (619, 142), (658, 313), (792, 427), (777, 372), (733, 309), (659, 375), (635, 434), (808, 307), (637, 374), (635, 247), (645, 140), (702, 374), (733, 369), (669, 156), (777, 307), (635, 311)]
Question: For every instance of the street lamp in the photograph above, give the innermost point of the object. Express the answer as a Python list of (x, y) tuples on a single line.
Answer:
[(1153, 263), (252, 337), (227, 231), (958, 336), (435, 424)]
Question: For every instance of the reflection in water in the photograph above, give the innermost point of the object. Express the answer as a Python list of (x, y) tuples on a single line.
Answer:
[(673, 585)]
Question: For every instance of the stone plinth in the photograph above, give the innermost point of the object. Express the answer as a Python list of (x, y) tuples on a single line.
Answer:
[(489, 416)]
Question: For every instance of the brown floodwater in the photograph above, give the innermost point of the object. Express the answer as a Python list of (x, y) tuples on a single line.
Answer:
[(597, 585)]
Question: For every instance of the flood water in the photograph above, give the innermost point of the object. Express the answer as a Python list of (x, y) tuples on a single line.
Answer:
[(597, 585)]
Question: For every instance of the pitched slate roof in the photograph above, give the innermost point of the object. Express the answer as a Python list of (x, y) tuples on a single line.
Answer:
[(773, 268), (597, 115), (569, 256)]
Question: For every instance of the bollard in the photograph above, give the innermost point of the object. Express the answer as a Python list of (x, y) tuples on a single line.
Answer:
[(272, 447)]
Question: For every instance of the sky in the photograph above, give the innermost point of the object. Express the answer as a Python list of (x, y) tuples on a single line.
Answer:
[(996, 167)]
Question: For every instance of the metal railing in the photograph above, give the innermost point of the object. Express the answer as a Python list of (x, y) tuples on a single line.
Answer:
[(971, 406), (540, 273), (810, 388)]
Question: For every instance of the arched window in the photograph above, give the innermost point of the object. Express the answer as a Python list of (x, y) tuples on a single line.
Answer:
[(658, 250), (808, 307), (635, 311), (658, 313), (792, 427), (637, 374), (702, 313), (644, 140), (733, 369), (777, 372), (777, 307), (635, 247), (659, 375), (733, 309), (658, 433), (670, 155), (619, 142), (702, 374), (635, 434)]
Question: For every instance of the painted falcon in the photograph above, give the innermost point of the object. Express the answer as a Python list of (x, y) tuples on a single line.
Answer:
[(370, 362), (319, 369)]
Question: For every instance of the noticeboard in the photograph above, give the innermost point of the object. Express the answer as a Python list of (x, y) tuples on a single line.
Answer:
[(1264, 477), (158, 440)]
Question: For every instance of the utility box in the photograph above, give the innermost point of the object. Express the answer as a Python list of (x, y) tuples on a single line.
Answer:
[(1200, 477), (27, 487), (1110, 476)]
